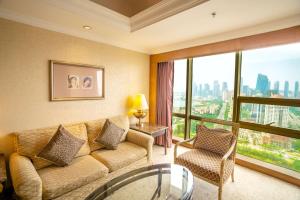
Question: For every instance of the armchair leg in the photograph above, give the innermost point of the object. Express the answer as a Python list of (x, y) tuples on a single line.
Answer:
[(232, 176), (220, 192)]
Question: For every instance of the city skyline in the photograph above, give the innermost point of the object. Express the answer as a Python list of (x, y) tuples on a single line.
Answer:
[(282, 64), (263, 85)]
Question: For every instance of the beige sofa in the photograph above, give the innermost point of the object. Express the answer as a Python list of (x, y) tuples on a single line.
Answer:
[(34, 178)]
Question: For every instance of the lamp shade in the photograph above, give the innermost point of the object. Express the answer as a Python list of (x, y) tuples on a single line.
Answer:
[(140, 102)]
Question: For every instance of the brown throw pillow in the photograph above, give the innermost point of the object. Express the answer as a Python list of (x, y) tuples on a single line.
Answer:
[(214, 140), (110, 135), (62, 147)]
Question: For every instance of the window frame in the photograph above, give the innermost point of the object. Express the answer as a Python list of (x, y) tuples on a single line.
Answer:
[(237, 101)]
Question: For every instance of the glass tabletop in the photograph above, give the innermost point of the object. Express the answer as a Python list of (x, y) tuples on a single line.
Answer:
[(162, 181)]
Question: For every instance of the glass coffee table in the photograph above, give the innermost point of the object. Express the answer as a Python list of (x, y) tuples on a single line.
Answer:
[(161, 181)]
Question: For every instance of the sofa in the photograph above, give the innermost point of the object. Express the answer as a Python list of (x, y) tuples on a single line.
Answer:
[(34, 178)]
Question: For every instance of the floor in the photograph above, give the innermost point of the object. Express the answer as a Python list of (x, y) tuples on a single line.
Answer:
[(248, 185)]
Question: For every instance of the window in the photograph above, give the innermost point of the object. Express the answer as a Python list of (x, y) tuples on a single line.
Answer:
[(213, 85), (178, 126), (179, 98), (273, 115), (267, 104), (179, 88), (271, 72), (275, 149)]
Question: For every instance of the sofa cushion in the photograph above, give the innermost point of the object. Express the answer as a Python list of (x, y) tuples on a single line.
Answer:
[(30, 143), (110, 135), (126, 154), (62, 147), (121, 121), (94, 128), (59, 180)]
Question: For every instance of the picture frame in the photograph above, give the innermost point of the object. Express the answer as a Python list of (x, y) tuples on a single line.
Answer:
[(75, 81)]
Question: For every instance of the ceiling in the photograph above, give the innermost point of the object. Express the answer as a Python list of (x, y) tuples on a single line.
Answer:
[(191, 27), (127, 7)]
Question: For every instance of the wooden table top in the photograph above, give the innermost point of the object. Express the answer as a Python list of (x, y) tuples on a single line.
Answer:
[(148, 128), (3, 176)]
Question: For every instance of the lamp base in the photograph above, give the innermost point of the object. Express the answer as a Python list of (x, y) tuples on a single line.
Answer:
[(140, 114)]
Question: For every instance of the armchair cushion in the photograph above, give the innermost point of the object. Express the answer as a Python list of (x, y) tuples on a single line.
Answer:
[(214, 140), (205, 164)]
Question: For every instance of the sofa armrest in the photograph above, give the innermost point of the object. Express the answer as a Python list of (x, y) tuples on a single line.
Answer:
[(26, 181), (142, 140)]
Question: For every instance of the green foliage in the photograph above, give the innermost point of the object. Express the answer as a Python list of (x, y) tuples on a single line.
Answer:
[(269, 156), (296, 145)]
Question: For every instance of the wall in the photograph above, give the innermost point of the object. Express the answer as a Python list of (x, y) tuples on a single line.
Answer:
[(25, 52)]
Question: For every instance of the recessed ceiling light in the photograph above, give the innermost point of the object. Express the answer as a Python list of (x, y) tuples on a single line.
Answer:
[(213, 14), (87, 27)]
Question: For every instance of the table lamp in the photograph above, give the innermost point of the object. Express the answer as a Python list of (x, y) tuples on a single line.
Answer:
[(140, 105)]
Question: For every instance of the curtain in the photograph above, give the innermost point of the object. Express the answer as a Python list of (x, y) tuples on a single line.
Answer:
[(164, 99)]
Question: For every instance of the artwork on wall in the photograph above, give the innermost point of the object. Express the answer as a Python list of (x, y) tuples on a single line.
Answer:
[(71, 81)]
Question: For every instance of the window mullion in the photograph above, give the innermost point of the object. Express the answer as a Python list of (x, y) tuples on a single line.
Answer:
[(237, 81), (188, 106)]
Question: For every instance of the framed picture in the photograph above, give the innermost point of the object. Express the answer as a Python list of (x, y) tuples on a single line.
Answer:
[(71, 81)]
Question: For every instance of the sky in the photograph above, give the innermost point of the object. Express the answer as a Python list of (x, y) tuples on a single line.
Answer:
[(279, 63)]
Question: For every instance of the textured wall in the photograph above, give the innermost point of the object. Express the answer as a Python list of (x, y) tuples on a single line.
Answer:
[(25, 52)]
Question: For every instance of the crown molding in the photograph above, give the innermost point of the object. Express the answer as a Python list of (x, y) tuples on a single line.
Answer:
[(10, 15), (241, 32), (160, 11), (93, 11)]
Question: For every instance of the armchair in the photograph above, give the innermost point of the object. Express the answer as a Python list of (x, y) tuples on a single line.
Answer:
[(210, 166)]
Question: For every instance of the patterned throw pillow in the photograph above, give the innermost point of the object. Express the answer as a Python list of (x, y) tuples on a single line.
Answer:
[(62, 147), (110, 135), (214, 140)]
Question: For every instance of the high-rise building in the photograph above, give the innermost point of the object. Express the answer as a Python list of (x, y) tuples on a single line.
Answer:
[(276, 87), (216, 89), (246, 90), (286, 89), (277, 115), (195, 89), (206, 91), (224, 87), (200, 92), (296, 90), (242, 84), (262, 84)]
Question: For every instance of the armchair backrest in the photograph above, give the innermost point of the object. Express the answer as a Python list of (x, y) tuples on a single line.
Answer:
[(235, 126)]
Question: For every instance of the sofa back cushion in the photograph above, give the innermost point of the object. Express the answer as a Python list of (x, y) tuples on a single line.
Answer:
[(30, 143), (214, 140), (94, 128)]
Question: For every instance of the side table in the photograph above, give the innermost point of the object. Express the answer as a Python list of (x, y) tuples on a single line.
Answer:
[(153, 130), (3, 176)]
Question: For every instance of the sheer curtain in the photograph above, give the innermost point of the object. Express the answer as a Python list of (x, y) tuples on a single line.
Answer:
[(164, 99)]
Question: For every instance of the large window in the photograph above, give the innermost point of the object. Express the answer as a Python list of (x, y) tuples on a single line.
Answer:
[(213, 80), (258, 88), (179, 98)]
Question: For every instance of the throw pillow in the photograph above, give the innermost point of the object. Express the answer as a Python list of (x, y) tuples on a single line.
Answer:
[(62, 147), (110, 135), (214, 140)]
